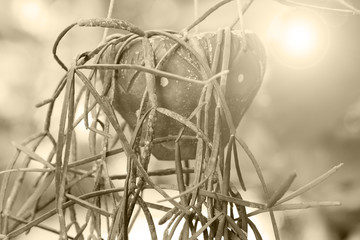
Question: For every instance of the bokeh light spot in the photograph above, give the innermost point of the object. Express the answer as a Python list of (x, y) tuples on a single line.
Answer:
[(30, 10), (31, 16)]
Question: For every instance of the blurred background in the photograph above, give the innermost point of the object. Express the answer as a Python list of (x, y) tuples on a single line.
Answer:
[(306, 117)]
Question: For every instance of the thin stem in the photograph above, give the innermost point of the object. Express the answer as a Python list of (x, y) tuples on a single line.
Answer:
[(56, 44), (351, 9), (196, 14), (310, 185), (206, 14), (109, 14)]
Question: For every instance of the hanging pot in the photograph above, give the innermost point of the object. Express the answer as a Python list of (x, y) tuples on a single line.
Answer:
[(246, 70)]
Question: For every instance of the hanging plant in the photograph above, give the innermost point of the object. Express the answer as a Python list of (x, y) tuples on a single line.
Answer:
[(182, 94)]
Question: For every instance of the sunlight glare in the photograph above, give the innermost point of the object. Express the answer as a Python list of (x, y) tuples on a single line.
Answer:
[(298, 38)]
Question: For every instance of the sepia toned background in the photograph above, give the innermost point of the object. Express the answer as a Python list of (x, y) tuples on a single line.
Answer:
[(305, 118)]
